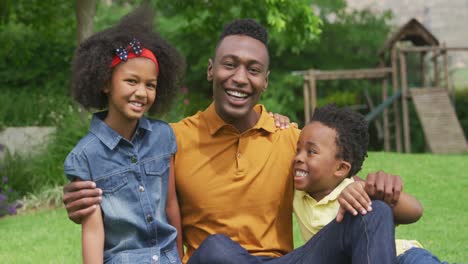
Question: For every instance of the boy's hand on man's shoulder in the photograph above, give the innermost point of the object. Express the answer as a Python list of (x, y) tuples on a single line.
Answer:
[(282, 121)]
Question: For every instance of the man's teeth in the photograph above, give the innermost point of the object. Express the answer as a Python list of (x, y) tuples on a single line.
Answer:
[(300, 173), (237, 94), (136, 104)]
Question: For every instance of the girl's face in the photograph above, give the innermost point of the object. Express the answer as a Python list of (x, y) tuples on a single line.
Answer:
[(132, 90)]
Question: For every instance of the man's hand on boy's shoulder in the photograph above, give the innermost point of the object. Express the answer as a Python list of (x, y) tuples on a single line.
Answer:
[(384, 186), (355, 198), (80, 199)]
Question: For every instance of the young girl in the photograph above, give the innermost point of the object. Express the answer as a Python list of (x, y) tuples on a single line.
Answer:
[(129, 70)]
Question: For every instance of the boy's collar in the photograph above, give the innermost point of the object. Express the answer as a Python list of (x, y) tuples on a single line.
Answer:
[(331, 196)]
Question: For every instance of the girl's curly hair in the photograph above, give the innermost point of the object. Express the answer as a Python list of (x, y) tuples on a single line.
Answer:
[(91, 65)]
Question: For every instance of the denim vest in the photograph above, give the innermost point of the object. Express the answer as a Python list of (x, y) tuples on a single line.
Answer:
[(134, 179)]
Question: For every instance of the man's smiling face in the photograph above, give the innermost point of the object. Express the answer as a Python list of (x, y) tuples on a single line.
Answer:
[(239, 73)]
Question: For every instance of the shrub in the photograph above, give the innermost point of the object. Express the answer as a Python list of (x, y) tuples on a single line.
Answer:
[(8, 197), (33, 174), (461, 102)]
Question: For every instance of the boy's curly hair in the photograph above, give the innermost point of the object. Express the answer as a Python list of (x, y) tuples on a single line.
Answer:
[(91, 65), (352, 136)]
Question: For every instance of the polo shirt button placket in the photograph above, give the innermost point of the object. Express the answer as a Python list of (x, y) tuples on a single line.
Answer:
[(155, 258)]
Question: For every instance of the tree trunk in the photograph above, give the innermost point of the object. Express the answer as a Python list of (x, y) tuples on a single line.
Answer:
[(85, 11)]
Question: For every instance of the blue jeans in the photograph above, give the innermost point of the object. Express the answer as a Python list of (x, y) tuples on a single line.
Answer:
[(418, 256), (361, 239)]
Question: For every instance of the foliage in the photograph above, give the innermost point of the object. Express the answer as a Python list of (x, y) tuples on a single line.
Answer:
[(349, 40), (8, 196), (37, 108), (49, 197), (194, 28), (109, 14), (461, 102), (37, 44), (180, 105), (33, 174)]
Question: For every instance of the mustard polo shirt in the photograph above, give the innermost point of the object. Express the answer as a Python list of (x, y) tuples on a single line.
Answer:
[(313, 216), (236, 184)]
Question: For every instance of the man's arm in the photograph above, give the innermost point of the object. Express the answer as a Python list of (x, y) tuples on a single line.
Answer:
[(383, 186), (173, 210), (407, 210), (92, 238), (81, 199), (354, 199)]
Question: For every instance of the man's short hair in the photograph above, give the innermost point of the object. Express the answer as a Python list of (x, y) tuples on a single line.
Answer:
[(247, 27)]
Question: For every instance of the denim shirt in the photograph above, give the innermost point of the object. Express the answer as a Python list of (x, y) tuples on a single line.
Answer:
[(134, 179)]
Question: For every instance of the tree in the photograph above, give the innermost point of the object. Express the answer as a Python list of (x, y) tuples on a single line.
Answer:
[(85, 11), (194, 27)]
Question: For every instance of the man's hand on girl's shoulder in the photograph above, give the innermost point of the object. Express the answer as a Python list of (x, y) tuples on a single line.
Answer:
[(80, 199)]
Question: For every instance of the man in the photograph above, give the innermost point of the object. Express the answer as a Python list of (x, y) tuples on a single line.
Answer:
[(232, 174)]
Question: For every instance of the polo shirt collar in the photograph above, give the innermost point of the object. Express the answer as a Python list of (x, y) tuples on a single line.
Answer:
[(331, 196), (107, 135), (215, 122)]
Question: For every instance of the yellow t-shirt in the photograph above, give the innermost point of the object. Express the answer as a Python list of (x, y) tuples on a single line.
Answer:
[(235, 184), (313, 216)]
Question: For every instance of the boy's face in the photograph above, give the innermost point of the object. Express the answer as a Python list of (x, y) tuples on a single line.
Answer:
[(132, 90), (316, 169), (239, 73)]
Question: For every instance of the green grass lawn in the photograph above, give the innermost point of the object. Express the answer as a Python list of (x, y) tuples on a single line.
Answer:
[(439, 182), (40, 237)]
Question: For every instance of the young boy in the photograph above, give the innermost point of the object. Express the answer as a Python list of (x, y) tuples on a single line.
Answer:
[(330, 149)]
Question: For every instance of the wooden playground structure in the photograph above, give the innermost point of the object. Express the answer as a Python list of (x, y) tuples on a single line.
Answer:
[(432, 100)]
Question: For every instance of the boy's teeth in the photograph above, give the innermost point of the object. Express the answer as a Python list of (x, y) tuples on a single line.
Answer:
[(136, 104), (237, 94), (301, 173)]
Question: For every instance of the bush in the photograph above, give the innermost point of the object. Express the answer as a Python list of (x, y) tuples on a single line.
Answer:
[(32, 107), (33, 174), (37, 43), (461, 102), (8, 197)]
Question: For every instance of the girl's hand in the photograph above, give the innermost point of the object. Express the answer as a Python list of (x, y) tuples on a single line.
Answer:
[(282, 121), (353, 199)]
